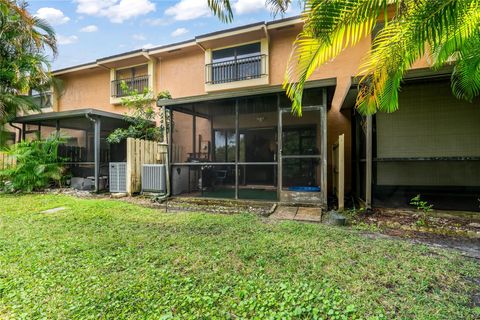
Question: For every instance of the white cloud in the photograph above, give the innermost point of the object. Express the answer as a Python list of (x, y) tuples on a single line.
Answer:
[(90, 28), (147, 46), (189, 10), (139, 37), (156, 22), (117, 11), (66, 39), (249, 6), (93, 7), (52, 15), (178, 32)]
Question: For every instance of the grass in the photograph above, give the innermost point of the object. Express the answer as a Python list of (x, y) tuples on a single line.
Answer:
[(109, 259)]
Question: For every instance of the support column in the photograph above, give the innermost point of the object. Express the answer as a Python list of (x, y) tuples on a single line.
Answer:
[(57, 128), (279, 149), (96, 143), (194, 133), (324, 154), (369, 163), (237, 147), (170, 147)]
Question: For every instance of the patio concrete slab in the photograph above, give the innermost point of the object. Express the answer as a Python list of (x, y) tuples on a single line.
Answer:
[(309, 214), (284, 213), (297, 213)]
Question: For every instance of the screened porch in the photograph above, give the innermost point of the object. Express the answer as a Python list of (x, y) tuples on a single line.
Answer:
[(250, 148)]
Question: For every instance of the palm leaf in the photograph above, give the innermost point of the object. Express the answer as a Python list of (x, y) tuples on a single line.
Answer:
[(330, 27)]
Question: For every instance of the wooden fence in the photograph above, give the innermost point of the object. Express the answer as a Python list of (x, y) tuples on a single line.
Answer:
[(338, 174), (141, 152), (177, 153), (6, 161)]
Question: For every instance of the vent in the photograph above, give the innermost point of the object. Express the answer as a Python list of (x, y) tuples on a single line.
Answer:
[(153, 178), (118, 176)]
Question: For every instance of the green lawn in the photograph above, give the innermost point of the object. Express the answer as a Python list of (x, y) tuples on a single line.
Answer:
[(110, 259)]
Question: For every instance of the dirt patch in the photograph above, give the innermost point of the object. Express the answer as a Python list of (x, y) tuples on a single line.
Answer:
[(204, 205), (441, 231), (407, 223)]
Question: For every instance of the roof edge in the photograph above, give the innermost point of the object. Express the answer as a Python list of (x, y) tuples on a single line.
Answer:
[(193, 42)]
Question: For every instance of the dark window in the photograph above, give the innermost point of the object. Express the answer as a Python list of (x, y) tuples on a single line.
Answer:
[(136, 78), (300, 141), (239, 52), (224, 145), (237, 63)]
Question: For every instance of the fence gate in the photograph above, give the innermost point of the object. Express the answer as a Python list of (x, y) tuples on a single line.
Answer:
[(338, 167), (140, 152)]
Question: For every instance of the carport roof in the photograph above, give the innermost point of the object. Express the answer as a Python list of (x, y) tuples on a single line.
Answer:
[(39, 117)]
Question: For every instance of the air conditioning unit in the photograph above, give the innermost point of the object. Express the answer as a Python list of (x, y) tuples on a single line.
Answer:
[(118, 177), (154, 178)]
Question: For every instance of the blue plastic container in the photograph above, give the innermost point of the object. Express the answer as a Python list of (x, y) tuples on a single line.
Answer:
[(304, 189)]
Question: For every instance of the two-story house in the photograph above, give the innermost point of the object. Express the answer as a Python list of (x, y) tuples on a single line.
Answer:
[(239, 139)]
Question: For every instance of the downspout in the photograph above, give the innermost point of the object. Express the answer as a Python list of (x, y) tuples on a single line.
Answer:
[(19, 131)]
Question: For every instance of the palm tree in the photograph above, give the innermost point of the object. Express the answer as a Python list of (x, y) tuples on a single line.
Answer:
[(447, 31), (24, 66)]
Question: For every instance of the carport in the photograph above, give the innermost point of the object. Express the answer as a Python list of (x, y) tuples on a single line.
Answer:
[(86, 130)]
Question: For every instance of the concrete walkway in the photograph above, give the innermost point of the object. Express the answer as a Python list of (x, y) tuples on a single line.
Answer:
[(297, 213)]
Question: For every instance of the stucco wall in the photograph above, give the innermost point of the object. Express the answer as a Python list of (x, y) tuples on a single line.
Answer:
[(87, 90), (183, 74)]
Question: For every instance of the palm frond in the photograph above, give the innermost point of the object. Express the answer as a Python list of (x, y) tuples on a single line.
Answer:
[(330, 27), (406, 39), (222, 9), (278, 6)]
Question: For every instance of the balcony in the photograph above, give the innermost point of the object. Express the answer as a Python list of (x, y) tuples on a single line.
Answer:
[(137, 84), (236, 70)]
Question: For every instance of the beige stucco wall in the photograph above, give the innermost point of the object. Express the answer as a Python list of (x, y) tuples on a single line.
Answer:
[(90, 89), (183, 74)]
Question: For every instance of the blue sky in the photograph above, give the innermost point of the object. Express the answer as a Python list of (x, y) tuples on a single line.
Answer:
[(91, 29)]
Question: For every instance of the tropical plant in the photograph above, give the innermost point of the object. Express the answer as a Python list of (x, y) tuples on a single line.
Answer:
[(423, 207), (24, 42), (165, 94), (38, 165), (446, 31), (141, 117)]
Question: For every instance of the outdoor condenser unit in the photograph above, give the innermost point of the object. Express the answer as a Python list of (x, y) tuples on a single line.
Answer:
[(154, 178), (118, 176)]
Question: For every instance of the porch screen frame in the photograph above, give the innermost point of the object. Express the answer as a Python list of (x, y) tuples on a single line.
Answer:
[(322, 108), (322, 156)]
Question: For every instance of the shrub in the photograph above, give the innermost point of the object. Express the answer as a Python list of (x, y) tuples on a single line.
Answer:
[(423, 207), (141, 118), (37, 165)]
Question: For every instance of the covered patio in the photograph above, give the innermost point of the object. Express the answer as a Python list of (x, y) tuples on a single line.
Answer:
[(86, 149), (250, 147)]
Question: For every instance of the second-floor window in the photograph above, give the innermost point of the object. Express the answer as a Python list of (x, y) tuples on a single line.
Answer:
[(43, 100), (237, 63), (136, 78)]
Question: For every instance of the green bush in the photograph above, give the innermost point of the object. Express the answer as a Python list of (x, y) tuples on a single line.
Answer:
[(141, 117), (37, 165)]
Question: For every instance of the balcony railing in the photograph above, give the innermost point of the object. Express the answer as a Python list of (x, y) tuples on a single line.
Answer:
[(134, 84), (236, 69)]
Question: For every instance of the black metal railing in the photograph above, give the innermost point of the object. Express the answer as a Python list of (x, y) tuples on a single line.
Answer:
[(134, 84), (236, 69)]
